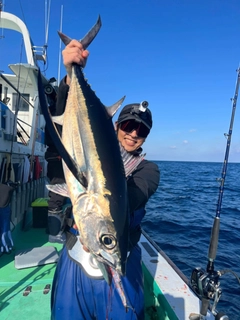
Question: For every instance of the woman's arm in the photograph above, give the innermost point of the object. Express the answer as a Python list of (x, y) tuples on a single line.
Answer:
[(142, 184)]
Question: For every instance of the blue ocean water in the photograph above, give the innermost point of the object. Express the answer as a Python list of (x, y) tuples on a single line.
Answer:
[(180, 217)]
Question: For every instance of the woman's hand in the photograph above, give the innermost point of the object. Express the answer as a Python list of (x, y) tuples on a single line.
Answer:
[(74, 53)]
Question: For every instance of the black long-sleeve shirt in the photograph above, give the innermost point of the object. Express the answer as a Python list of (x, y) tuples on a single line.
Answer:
[(144, 180)]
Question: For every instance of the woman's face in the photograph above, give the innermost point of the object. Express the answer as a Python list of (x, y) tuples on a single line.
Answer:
[(129, 141)]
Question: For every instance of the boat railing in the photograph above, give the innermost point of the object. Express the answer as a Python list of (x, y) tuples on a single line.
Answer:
[(21, 131), (23, 196), (16, 90)]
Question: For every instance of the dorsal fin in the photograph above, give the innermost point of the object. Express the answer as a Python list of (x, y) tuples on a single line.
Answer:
[(113, 109)]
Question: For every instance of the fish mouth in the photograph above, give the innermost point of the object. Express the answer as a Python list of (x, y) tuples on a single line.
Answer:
[(112, 260)]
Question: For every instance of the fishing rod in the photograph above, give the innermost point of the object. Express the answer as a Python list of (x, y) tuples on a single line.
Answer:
[(206, 283)]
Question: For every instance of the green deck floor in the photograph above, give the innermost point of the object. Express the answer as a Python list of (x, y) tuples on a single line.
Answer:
[(13, 304)]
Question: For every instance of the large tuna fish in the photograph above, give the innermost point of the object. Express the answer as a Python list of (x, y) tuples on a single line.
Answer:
[(93, 168)]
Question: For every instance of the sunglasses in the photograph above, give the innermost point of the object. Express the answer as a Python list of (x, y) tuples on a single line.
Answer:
[(131, 125)]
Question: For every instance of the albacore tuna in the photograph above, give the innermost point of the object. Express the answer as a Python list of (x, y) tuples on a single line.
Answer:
[(93, 168)]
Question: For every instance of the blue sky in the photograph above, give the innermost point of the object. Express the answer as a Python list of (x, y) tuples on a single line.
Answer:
[(179, 55)]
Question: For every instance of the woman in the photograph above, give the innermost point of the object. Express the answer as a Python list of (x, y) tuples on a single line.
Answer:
[(76, 294)]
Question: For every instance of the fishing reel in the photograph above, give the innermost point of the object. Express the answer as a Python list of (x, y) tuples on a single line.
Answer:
[(51, 92), (206, 285)]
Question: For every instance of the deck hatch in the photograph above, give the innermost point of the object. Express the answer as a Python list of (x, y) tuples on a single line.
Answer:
[(149, 249)]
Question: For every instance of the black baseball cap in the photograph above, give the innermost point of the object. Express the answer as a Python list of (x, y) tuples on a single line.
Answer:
[(138, 112)]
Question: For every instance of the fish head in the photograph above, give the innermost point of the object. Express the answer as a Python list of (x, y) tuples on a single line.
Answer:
[(106, 239)]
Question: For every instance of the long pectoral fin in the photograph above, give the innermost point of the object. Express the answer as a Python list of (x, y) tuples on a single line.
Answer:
[(71, 164)]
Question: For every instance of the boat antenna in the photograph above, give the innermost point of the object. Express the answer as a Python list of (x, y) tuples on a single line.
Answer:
[(60, 46), (206, 283), (47, 18), (1, 9)]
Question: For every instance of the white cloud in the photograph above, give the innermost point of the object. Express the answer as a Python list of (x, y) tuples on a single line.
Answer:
[(185, 141)]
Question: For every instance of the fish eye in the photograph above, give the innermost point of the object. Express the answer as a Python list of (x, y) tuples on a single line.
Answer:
[(108, 241)]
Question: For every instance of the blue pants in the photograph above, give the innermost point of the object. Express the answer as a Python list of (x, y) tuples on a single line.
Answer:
[(76, 296), (6, 242)]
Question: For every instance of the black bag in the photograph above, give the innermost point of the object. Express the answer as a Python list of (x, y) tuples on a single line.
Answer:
[(5, 195)]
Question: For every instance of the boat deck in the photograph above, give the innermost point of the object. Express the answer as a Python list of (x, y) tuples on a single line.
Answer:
[(25, 293), (15, 302)]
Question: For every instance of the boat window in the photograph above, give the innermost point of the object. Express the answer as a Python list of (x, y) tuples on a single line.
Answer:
[(23, 105)]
